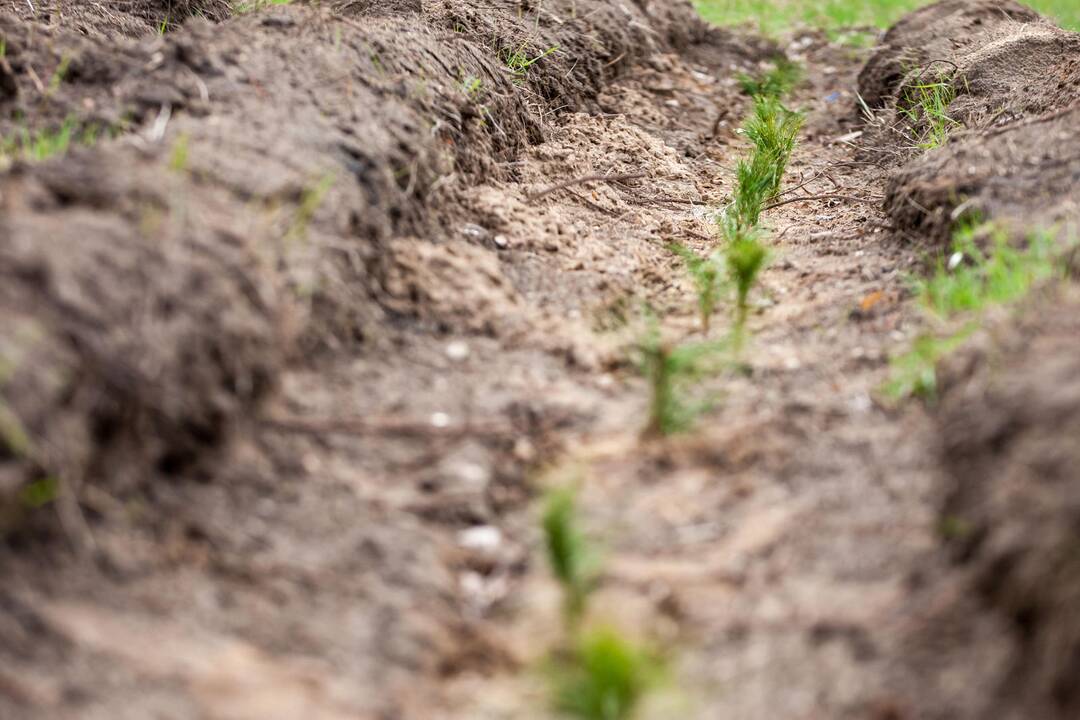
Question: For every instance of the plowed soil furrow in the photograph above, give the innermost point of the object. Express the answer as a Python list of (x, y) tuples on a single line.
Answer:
[(290, 352)]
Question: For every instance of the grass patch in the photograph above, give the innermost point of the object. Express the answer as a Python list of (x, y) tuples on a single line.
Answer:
[(775, 16), (246, 6), (775, 83), (963, 284), (925, 105), (519, 61), (604, 677)]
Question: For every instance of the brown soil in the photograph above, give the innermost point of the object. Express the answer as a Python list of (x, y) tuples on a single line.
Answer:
[(300, 338)]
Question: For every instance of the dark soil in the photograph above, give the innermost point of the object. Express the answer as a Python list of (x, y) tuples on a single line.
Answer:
[(309, 313)]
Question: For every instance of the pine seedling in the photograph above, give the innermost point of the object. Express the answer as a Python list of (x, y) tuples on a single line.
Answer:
[(573, 562), (746, 257), (707, 275), (775, 83), (754, 181), (773, 130), (604, 677), (669, 369)]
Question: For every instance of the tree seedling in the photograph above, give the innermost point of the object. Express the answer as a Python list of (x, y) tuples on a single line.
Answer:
[(604, 677), (746, 257), (669, 370), (707, 275), (774, 83), (573, 562)]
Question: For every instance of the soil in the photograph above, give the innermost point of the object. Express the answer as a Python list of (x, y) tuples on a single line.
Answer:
[(296, 342)]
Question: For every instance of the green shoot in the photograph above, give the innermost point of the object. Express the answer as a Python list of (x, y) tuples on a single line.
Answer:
[(671, 370), (518, 60), (14, 440), (164, 26), (605, 678), (773, 130), (40, 492), (775, 83), (707, 276), (572, 560), (926, 107), (746, 257)]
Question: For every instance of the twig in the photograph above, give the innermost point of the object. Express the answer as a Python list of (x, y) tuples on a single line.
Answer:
[(850, 198), (584, 179)]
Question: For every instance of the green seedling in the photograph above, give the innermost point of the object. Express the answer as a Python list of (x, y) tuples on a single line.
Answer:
[(774, 83), (746, 258), (41, 145), (773, 129), (164, 26), (707, 275), (573, 561), (39, 493), (518, 60), (926, 107), (604, 677), (671, 370)]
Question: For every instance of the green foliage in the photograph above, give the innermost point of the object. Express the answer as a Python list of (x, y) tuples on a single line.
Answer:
[(746, 257), (775, 83), (604, 678), (707, 275), (672, 371), (58, 76), (964, 284), (971, 278), (773, 129), (246, 6), (40, 492), (518, 60), (925, 104), (472, 86), (43, 144), (775, 16), (573, 562)]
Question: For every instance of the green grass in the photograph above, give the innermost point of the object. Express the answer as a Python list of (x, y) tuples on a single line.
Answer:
[(604, 677), (926, 107), (246, 6), (775, 82), (519, 61), (775, 16), (984, 269), (573, 561)]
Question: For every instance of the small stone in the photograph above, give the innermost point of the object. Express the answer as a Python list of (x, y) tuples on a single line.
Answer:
[(501, 241), (457, 350), (486, 538), (440, 419)]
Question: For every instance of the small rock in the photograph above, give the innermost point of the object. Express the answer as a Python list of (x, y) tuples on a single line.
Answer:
[(457, 350), (486, 538)]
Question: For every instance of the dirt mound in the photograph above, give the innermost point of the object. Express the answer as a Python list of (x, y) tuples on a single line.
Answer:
[(1023, 176), (1007, 80), (1000, 620), (112, 19)]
